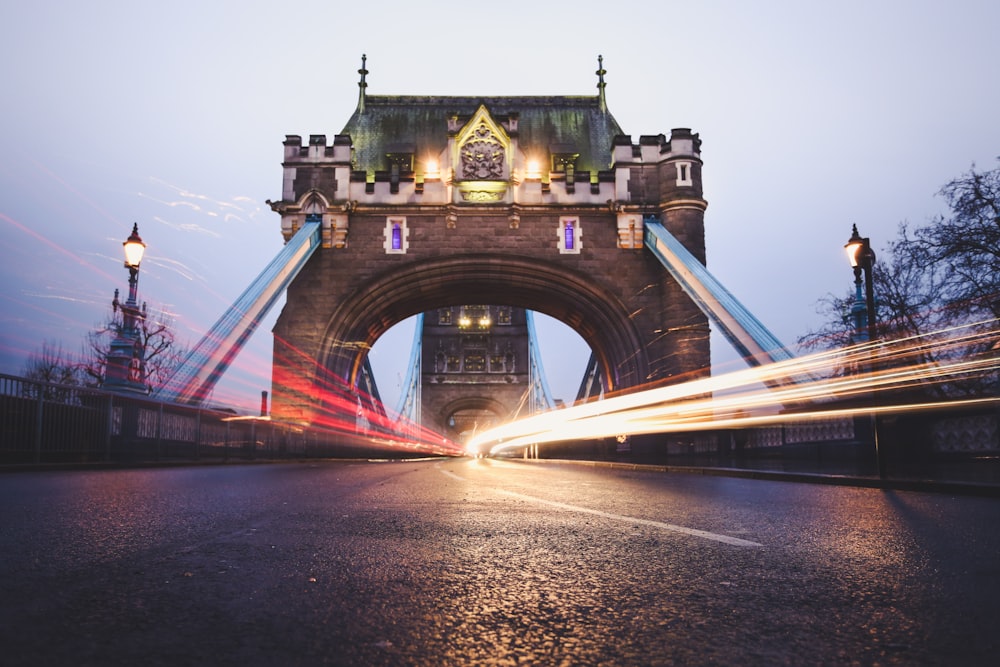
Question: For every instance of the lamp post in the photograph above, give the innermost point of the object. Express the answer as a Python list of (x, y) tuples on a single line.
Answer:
[(125, 365), (862, 258)]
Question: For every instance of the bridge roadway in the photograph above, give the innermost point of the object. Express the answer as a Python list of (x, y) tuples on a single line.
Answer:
[(463, 562)]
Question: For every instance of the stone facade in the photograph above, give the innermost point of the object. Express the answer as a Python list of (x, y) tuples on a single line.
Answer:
[(527, 202), (474, 368)]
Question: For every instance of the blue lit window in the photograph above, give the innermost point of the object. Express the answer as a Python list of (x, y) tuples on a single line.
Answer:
[(570, 235), (396, 235)]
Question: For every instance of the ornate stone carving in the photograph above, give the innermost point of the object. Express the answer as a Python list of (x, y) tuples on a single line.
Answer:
[(630, 229), (483, 156), (482, 196)]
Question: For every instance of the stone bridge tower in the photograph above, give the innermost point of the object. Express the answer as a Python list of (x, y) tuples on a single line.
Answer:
[(475, 368), (532, 202)]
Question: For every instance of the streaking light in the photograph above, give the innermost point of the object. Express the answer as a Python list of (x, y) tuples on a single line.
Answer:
[(862, 379)]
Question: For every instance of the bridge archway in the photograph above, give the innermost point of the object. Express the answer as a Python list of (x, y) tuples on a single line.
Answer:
[(468, 415), (571, 297)]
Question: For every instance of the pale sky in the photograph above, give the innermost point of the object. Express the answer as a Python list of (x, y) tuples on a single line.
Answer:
[(813, 117)]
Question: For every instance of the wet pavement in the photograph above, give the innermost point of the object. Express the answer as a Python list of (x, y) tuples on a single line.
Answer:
[(465, 562)]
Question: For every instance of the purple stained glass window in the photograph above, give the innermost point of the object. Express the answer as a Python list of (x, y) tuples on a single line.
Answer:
[(397, 237), (568, 238)]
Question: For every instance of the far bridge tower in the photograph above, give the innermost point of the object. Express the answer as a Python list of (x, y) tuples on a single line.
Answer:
[(475, 368)]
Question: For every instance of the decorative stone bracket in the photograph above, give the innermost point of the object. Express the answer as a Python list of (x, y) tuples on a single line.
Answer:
[(335, 217), (630, 230)]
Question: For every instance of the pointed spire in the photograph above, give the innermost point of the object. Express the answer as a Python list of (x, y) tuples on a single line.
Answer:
[(362, 84), (601, 101)]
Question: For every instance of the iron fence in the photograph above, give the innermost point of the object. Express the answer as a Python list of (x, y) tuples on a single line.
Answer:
[(49, 423)]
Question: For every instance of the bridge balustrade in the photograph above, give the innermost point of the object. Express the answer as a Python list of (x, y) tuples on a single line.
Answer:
[(49, 423)]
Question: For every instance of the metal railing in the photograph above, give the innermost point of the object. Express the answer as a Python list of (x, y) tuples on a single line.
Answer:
[(49, 423)]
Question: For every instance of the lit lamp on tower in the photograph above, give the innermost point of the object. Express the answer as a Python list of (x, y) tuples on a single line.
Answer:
[(125, 369)]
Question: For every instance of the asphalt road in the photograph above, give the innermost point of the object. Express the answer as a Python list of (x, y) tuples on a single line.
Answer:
[(478, 562)]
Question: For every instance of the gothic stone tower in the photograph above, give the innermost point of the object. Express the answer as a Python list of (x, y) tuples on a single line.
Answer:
[(475, 368), (529, 202)]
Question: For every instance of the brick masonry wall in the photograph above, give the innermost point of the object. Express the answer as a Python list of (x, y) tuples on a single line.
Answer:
[(621, 301)]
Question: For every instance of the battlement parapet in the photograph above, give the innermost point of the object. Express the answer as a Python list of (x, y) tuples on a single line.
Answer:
[(317, 150)]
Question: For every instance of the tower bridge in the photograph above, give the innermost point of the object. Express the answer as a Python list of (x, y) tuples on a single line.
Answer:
[(426, 204), (529, 202)]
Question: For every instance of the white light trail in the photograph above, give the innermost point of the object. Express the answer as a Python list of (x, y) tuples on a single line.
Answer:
[(820, 388)]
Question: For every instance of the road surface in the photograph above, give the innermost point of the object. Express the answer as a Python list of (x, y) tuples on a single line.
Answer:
[(465, 562)]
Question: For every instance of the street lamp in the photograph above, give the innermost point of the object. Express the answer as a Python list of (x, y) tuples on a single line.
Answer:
[(862, 258), (125, 368)]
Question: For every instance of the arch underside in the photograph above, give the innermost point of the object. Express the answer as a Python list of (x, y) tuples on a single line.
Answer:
[(468, 415), (571, 297), (474, 403)]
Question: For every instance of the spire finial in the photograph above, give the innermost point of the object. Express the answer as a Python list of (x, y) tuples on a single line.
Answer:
[(362, 84), (601, 101)]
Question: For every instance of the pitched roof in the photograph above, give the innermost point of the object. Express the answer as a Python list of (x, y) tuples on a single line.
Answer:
[(419, 124)]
